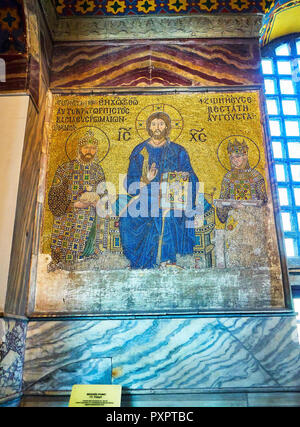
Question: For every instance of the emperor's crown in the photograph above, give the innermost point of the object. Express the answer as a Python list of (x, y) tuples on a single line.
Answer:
[(88, 139)]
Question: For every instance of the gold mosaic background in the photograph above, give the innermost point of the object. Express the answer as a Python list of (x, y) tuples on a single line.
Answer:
[(200, 123)]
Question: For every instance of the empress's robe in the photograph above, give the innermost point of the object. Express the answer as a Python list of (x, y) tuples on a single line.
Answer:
[(241, 184), (149, 234), (245, 230), (72, 226)]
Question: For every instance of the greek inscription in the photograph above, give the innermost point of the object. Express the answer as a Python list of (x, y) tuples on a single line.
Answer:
[(198, 135), (229, 108), (124, 134)]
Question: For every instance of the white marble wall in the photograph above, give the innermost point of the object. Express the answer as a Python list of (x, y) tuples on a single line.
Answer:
[(13, 115), (164, 354)]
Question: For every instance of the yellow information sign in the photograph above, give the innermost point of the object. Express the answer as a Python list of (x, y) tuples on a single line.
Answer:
[(95, 396)]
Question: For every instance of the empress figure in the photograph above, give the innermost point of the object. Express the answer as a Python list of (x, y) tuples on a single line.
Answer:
[(243, 208), (241, 183)]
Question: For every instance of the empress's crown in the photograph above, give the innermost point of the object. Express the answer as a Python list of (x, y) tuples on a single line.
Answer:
[(239, 147)]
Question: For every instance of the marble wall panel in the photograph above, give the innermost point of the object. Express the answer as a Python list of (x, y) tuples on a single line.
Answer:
[(12, 124), (12, 349), (149, 63), (38, 40), (161, 353), (34, 79), (19, 271), (205, 63), (91, 65), (16, 73)]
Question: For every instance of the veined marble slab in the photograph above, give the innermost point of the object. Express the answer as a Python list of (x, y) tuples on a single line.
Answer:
[(12, 348), (185, 353)]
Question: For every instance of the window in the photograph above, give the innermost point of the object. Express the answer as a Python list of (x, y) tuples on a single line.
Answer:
[(296, 295), (281, 70)]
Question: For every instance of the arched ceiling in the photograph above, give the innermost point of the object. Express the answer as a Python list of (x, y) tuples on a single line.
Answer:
[(282, 19)]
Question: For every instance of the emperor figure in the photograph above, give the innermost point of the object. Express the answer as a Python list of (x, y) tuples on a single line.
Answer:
[(77, 187), (152, 235)]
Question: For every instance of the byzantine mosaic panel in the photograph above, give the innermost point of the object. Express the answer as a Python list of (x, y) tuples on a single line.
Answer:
[(12, 27), (99, 253), (145, 7)]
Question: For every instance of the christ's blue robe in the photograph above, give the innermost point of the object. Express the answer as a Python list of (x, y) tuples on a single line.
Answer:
[(140, 235)]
